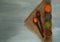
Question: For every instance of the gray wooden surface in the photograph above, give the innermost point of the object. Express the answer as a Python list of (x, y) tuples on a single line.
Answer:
[(12, 16)]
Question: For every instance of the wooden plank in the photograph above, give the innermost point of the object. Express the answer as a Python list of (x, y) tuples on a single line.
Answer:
[(33, 27)]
